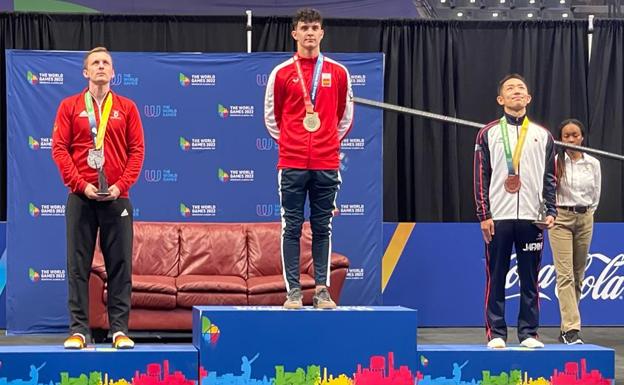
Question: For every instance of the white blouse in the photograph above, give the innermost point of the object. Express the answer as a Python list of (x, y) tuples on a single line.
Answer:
[(581, 185)]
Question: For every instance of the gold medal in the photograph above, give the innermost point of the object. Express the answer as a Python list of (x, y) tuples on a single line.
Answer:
[(311, 122)]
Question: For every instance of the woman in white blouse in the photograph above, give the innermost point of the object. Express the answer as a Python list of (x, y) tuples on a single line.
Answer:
[(578, 194)]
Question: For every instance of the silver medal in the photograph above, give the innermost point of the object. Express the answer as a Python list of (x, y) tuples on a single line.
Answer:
[(95, 159)]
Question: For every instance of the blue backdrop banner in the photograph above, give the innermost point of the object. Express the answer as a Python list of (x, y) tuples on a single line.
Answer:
[(208, 158), (439, 269), (3, 275)]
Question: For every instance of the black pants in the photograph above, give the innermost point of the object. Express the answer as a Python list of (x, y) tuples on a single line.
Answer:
[(114, 220), (528, 241), (321, 186)]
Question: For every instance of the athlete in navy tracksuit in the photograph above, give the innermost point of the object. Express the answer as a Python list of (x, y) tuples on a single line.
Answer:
[(508, 199)]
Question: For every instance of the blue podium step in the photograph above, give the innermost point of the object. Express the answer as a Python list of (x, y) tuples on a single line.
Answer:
[(270, 345), (99, 365), (554, 365)]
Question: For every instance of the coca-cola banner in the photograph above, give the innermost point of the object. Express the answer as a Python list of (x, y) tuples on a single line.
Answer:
[(439, 269)]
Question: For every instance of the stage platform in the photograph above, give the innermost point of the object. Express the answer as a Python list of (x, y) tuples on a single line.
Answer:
[(273, 346), (554, 364), (154, 364), (365, 343)]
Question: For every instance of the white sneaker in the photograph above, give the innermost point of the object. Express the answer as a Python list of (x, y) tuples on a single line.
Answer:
[(532, 343), (496, 343)]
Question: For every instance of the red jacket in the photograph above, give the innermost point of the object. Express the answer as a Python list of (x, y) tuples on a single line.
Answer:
[(123, 144), (284, 111)]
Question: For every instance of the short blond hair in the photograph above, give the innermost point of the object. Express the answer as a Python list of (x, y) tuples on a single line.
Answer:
[(95, 50)]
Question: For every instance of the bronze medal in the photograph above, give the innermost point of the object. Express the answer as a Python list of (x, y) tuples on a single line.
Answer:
[(512, 184)]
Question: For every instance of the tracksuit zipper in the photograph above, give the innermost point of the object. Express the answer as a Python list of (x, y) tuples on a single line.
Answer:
[(518, 193), (309, 149)]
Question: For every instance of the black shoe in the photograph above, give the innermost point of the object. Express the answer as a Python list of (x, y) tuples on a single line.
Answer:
[(571, 337)]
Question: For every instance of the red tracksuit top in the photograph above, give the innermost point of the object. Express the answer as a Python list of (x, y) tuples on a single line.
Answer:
[(284, 111), (123, 144)]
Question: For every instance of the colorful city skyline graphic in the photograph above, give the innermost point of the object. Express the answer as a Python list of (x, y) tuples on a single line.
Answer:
[(155, 374), (381, 371), (574, 373)]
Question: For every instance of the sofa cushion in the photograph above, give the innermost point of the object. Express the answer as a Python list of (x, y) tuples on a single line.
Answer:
[(145, 300), (211, 284), (188, 300), (275, 283), (155, 301), (155, 249), (153, 284), (151, 292), (264, 244), (215, 249)]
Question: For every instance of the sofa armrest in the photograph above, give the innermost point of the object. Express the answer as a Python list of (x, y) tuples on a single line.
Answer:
[(337, 261)]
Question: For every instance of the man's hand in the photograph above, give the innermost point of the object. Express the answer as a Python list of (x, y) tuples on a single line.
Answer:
[(114, 194), (549, 222), (91, 192), (487, 228)]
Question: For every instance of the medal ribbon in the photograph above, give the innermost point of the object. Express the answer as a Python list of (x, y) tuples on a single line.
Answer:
[(98, 132), (309, 101), (513, 161)]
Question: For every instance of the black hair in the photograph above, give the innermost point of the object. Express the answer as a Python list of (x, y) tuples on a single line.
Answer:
[(561, 169)]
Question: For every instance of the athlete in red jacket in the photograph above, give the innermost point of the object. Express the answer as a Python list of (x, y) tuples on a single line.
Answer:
[(308, 110), (98, 147)]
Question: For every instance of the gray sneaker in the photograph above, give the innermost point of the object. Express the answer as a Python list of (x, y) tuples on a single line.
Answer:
[(322, 300), (294, 299)]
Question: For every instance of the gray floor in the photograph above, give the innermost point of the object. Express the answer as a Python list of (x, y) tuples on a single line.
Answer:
[(603, 336)]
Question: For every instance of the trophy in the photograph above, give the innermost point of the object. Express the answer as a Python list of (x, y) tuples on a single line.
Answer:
[(95, 159), (542, 213), (102, 183)]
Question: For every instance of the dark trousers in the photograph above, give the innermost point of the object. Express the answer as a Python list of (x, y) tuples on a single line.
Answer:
[(321, 186), (528, 240), (114, 220)]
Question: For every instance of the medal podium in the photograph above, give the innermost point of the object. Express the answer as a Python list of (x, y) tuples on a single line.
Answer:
[(270, 345), (267, 345)]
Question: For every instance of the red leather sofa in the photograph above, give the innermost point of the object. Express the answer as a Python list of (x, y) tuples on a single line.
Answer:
[(176, 266)]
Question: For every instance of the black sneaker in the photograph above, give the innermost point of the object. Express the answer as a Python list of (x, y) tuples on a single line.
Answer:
[(571, 337)]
